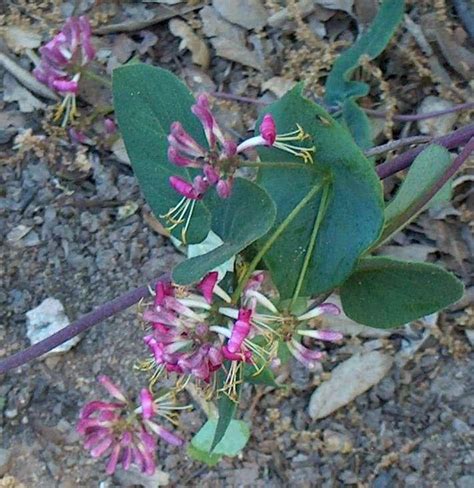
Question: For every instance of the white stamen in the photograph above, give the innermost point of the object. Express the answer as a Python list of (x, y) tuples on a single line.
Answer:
[(229, 312)]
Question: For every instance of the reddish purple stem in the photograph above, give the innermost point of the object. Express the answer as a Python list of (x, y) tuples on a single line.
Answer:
[(450, 141), (86, 322)]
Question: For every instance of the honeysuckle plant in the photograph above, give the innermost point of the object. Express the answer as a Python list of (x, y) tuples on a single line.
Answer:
[(297, 212)]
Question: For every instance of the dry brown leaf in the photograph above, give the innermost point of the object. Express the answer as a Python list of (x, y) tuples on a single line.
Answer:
[(250, 14), (14, 92), (460, 58), (19, 38), (191, 41), (349, 380), (344, 5), (278, 85)]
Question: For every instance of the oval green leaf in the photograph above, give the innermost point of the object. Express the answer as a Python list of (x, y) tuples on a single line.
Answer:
[(147, 101), (385, 293)]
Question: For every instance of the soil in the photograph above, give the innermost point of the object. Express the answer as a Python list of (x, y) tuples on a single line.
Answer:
[(90, 240)]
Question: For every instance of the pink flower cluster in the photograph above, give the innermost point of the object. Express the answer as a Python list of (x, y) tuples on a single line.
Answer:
[(181, 339), (124, 434), (217, 162), (64, 55)]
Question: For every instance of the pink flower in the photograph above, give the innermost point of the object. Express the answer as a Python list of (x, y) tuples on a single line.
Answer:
[(123, 433), (181, 339), (62, 59), (217, 162)]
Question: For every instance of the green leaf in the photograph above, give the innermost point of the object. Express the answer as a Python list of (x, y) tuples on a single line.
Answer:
[(147, 100), (340, 91), (425, 171), (386, 293), (239, 220), (371, 43), (234, 440), (226, 409), (358, 123), (353, 217), (260, 375)]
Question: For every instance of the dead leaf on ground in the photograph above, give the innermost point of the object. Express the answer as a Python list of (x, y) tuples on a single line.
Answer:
[(250, 14), (227, 39), (409, 252), (14, 92), (438, 126), (349, 380), (344, 5), (278, 85), (459, 58), (19, 38), (191, 41)]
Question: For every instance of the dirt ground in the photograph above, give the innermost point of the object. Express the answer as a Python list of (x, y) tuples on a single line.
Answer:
[(87, 237)]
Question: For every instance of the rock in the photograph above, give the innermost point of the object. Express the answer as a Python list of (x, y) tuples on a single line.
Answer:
[(385, 389), (349, 380), (470, 336), (134, 477), (250, 14), (384, 480), (437, 126), (466, 481), (337, 442), (5, 458), (46, 319)]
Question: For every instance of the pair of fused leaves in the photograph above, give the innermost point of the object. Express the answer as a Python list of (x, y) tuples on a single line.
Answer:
[(342, 92)]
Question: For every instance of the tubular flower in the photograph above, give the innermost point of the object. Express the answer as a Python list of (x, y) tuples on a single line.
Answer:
[(123, 433), (61, 61), (218, 161), (260, 317), (182, 339)]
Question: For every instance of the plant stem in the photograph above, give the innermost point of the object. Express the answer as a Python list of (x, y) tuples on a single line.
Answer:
[(99, 78), (312, 242), (427, 115), (449, 141), (269, 243), (86, 322), (392, 145)]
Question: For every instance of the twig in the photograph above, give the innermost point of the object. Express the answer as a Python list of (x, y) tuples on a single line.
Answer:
[(392, 145), (26, 78), (134, 25), (86, 322), (427, 115), (449, 141)]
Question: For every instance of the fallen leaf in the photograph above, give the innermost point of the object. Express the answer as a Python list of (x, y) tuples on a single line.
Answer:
[(14, 92), (118, 148), (191, 41), (278, 19), (409, 252), (344, 5), (250, 14), (349, 380), (278, 85), (459, 58), (438, 126), (226, 48), (19, 38)]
